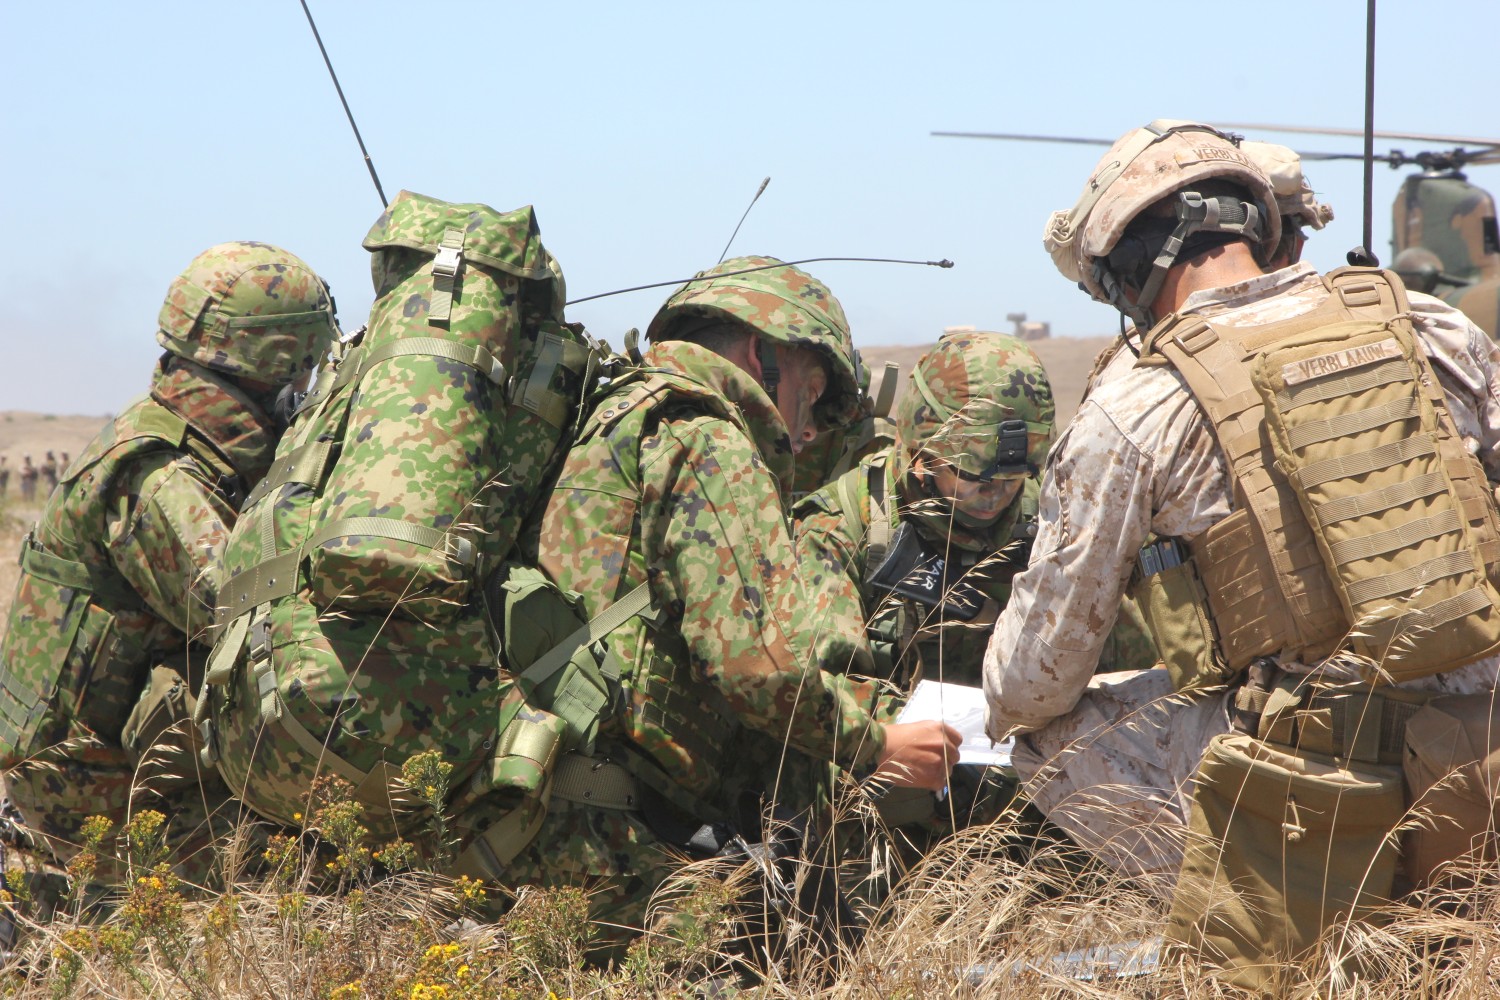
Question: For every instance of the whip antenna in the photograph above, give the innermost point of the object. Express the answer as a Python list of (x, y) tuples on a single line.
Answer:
[(369, 163), (1362, 255), (945, 263), (758, 192)]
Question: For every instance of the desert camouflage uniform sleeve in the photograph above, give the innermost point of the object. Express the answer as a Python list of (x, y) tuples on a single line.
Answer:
[(1095, 512), (166, 537), (717, 535), (1466, 363)]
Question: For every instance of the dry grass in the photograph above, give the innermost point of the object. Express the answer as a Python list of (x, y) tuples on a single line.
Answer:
[(990, 913)]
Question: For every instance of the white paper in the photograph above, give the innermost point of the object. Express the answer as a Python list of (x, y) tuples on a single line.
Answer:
[(962, 707)]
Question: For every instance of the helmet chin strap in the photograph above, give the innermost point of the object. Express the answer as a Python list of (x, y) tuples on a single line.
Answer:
[(1195, 214), (1137, 312), (770, 371)]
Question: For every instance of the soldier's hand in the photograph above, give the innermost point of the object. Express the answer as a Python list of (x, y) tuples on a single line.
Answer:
[(919, 754)]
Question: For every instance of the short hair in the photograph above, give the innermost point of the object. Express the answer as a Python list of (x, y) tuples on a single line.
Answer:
[(711, 331)]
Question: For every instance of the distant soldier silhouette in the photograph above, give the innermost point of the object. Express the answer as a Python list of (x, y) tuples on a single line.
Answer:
[(49, 471), (28, 479)]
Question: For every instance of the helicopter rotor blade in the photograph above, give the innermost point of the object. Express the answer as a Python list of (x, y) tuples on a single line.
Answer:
[(1076, 140), (1457, 140), (1488, 151)]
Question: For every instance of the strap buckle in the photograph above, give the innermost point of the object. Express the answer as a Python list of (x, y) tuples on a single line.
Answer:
[(447, 261), (260, 638), (1197, 338)]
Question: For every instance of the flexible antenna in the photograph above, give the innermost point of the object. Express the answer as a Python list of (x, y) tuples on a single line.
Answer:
[(945, 263), (1362, 255), (758, 192), (369, 163)]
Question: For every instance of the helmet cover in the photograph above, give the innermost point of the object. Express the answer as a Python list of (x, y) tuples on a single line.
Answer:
[(783, 304), (980, 402), (1144, 166), (1294, 195), (249, 309)]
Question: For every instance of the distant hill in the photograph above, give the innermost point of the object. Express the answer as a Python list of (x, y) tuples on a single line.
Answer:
[(1068, 361), (37, 433)]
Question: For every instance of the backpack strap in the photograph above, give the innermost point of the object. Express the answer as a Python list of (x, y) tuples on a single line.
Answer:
[(885, 390), (878, 541)]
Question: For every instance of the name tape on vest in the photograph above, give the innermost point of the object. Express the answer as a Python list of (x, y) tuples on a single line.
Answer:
[(1329, 364)]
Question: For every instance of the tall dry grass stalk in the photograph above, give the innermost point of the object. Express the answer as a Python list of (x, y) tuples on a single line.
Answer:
[(995, 911)]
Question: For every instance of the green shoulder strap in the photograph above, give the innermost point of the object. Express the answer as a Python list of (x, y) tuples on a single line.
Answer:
[(879, 539)]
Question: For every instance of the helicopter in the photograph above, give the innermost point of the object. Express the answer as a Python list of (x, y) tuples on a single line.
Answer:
[(1445, 240)]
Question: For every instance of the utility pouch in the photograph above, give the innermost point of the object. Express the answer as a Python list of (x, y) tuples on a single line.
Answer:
[(914, 571), (560, 683), (1170, 594), (59, 648), (1281, 845), (159, 738), (1452, 769)]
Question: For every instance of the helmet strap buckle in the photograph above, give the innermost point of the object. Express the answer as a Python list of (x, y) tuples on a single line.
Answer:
[(770, 370)]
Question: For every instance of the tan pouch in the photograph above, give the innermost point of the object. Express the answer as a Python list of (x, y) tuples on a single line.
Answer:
[(1279, 847), (1452, 772), (1175, 608), (159, 736)]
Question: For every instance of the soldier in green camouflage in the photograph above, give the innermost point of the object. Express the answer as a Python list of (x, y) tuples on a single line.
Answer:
[(104, 647), (918, 544), (837, 450), (679, 479), (959, 485)]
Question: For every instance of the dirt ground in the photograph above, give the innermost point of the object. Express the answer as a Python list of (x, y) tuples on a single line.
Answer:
[(1068, 361)]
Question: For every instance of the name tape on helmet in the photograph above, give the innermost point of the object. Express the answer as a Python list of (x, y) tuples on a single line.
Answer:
[(1205, 154)]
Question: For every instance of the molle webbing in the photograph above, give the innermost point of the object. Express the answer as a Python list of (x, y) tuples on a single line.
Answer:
[(1361, 518), (310, 463)]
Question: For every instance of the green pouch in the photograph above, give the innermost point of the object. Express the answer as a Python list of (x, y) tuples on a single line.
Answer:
[(1172, 601), (55, 662), (1279, 847)]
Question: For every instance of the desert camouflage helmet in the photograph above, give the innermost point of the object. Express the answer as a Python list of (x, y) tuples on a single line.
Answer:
[(783, 304), (980, 401), (1294, 195), (248, 309), (1143, 167)]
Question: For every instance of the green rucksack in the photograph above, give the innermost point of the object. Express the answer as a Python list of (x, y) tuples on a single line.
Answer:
[(358, 627)]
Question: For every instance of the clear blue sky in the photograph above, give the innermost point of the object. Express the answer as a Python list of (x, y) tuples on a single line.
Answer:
[(136, 134)]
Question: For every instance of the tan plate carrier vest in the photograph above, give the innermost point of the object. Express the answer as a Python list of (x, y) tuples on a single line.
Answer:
[(1360, 519)]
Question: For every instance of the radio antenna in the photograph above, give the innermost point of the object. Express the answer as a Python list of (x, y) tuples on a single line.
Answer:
[(1363, 255), (369, 163), (758, 192), (763, 267)]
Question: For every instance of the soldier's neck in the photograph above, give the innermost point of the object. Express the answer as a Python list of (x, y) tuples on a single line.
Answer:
[(1220, 267)]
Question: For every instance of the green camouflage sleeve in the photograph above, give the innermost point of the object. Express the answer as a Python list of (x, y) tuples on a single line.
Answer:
[(832, 567), (166, 537), (714, 527)]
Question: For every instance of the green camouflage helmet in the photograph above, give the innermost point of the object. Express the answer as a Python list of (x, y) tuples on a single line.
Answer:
[(249, 309), (980, 401), (784, 304)]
